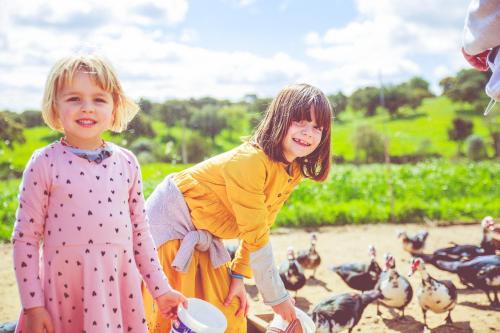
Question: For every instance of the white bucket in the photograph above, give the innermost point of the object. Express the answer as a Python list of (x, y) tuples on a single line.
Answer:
[(199, 317), (306, 322)]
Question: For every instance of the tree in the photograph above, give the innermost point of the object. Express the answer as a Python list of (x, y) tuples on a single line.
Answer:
[(208, 121), (338, 102), (461, 129), (173, 111), (31, 118), (139, 126), (367, 99), (417, 89), (146, 106), (10, 131), (197, 147), (394, 98), (467, 86)]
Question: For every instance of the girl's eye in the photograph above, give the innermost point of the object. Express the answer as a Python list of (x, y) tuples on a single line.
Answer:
[(300, 122), (73, 99), (100, 100), (318, 128)]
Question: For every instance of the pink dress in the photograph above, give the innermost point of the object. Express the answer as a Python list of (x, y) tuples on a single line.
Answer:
[(96, 240)]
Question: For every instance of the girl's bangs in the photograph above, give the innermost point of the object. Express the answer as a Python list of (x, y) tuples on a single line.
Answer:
[(100, 75), (322, 111)]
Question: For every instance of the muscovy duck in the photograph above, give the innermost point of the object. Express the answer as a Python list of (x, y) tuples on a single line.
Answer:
[(342, 311), (481, 272), (310, 259), (491, 234), (292, 273), (436, 295), (360, 276), (396, 289), (413, 244)]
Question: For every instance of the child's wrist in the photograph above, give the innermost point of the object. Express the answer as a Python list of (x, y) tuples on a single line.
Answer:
[(235, 275), (33, 310)]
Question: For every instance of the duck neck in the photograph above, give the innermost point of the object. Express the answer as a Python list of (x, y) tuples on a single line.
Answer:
[(425, 276), (369, 296)]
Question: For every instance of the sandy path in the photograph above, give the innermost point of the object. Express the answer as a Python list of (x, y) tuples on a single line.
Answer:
[(338, 245)]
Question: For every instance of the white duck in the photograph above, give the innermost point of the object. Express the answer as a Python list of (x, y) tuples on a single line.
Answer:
[(436, 295), (395, 288)]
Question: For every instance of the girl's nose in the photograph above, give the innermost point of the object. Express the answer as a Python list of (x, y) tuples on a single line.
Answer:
[(307, 130), (87, 107)]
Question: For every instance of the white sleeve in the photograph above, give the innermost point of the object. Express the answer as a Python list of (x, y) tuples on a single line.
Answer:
[(482, 26), (267, 277)]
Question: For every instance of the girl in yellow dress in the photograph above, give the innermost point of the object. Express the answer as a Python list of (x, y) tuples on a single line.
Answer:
[(238, 194)]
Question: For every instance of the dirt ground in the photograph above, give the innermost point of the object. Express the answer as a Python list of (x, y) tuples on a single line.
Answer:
[(338, 245)]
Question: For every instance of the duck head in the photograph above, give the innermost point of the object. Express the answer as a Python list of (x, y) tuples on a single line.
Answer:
[(390, 262), (402, 235), (487, 223), (417, 264), (314, 240)]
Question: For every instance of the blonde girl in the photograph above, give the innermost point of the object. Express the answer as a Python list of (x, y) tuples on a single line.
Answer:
[(81, 199)]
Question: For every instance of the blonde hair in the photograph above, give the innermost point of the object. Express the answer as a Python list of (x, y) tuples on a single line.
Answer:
[(103, 74), (294, 103)]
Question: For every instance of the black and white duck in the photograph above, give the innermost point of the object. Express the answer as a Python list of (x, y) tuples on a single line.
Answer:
[(310, 259), (415, 243), (292, 273), (396, 289), (491, 234), (435, 295), (360, 276), (342, 312), (481, 272)]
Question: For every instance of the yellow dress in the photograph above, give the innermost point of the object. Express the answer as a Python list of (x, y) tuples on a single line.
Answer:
[(237, 194)]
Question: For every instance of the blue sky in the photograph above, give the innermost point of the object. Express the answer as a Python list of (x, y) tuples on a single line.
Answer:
[(229, 48)]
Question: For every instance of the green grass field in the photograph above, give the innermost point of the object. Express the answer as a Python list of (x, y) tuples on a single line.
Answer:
[(459, 191)]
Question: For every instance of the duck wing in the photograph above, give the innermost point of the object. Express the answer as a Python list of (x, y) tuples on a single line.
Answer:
[(458, 252)]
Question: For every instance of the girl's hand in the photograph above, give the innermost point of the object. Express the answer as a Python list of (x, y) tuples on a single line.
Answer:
[(237, 289), (38, 320), (286, 310), (168, 303)]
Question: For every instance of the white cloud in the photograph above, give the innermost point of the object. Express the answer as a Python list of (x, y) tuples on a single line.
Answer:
[(388, 39), (312, 38), (189, 36), (245, 3), (153, 63)]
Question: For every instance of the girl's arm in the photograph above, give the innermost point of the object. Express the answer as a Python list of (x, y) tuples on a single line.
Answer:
[(245, 183), (34, 193), (245, 180), (144, 250)]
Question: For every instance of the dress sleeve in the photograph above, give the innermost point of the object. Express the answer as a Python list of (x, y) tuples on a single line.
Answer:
[(144, 249), (245, 178), (31, 213)]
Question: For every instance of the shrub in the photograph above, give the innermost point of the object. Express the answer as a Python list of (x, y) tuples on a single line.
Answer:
[(369, 144), (476, 149)]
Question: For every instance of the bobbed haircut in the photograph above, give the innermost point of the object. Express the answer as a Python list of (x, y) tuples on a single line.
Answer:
[(103, 75), (295, 103)]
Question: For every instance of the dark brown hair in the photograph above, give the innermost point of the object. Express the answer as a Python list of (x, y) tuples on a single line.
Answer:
[(294, 103)]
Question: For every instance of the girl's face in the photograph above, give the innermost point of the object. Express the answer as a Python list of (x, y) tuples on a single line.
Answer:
[(302, 138), (85, 111)]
